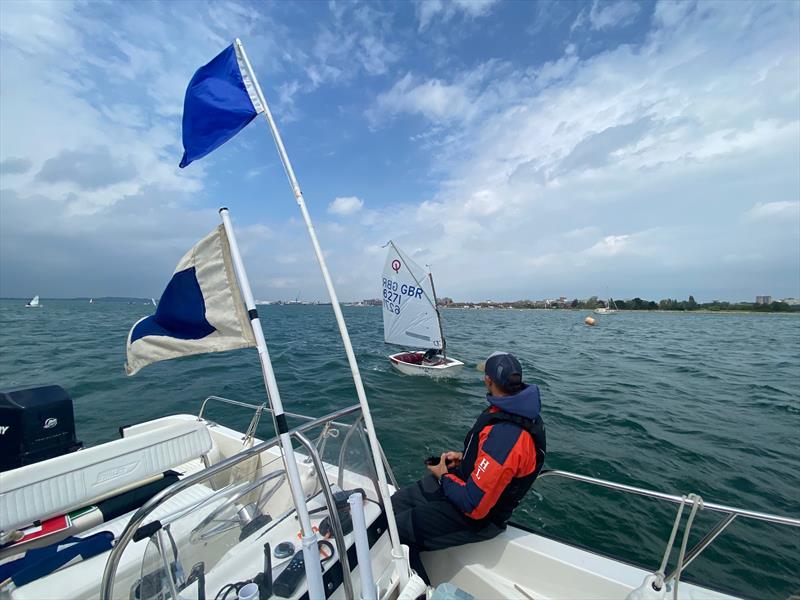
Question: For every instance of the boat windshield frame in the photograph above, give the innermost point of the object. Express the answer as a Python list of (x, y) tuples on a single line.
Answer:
[(332, 419)]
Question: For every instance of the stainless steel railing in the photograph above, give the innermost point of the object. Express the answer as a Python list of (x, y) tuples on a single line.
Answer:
[(250, 434), (740, 512), (107, 583), (730, 512)]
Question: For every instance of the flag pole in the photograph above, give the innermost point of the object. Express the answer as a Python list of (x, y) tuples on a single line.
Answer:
[(316, 588), (397, 551)]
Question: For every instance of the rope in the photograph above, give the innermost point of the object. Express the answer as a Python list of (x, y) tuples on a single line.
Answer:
[(697, 503), (660, 574)]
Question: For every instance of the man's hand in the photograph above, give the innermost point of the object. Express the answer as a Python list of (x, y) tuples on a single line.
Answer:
[(439, 469), (447, 460), (453, 458)]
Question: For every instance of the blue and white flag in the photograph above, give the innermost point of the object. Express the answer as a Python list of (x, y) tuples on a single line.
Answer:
[(200, 311), (220, 101)]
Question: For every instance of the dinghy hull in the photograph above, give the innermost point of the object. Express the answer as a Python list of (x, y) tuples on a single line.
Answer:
[(410, 363)]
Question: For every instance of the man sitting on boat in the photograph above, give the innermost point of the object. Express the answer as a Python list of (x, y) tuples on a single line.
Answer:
[(470, 495)]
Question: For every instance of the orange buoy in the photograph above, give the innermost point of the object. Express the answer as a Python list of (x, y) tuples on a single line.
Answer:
[(590, 321)]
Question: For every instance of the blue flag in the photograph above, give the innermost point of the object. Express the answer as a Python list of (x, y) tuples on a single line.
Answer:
[(200, 311), (220, 101)]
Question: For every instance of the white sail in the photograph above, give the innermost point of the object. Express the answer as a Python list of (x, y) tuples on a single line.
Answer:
[(409, 309), (34, 301)]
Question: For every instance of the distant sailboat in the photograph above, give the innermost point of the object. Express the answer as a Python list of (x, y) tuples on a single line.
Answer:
[(33, 303), (91, 300), (153, 300), (609, 309), (411, 318)]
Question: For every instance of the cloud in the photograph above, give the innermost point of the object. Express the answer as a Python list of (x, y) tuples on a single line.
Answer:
[(610, 245), (434, 99), (89, 108), (580, 232), (440, 101), (15, 166), (607, 15), (784, 209), (636, 157), (651, 138), (596, 149), (88, 170), (356, 40), (345, 205), (447, 9)]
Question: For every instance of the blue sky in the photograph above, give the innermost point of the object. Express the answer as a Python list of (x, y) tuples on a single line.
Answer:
[(522, 149)]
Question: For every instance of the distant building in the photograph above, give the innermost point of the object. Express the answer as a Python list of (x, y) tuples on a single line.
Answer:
[(763, 299), (792, 301)]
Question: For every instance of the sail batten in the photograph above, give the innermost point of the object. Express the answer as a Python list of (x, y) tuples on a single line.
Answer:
[(409, 305)]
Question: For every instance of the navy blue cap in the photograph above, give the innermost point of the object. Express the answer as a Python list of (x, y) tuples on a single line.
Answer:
[(500, 366)]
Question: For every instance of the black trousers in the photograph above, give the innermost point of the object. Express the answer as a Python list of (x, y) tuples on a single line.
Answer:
[(427, 520)]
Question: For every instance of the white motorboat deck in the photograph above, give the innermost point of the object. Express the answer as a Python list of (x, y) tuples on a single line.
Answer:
[(522, 565), (211, 516)]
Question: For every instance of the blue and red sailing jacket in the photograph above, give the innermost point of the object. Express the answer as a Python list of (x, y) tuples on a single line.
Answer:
[(503, 453)]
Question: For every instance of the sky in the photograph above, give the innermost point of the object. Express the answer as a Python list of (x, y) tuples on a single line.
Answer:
[(522, 150)]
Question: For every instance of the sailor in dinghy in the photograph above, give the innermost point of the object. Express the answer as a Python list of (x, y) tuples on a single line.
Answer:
[(411, 318)]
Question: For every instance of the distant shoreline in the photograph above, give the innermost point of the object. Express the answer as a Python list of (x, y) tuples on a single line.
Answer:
[(704, 311)]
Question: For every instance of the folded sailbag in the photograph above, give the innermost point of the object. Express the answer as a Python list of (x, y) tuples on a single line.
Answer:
[(200, 310)]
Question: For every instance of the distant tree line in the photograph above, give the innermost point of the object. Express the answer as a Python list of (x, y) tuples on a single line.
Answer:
[(683, 305)]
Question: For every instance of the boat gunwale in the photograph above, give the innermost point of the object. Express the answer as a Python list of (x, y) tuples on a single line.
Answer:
[(694, 552)]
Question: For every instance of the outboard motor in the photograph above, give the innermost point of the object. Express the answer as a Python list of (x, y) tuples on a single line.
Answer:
[(35, 424)]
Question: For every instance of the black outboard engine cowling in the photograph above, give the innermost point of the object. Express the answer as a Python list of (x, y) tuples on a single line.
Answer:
[(35, 424)]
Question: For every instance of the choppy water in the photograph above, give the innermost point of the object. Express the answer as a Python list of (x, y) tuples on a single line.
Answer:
[(680, 403)]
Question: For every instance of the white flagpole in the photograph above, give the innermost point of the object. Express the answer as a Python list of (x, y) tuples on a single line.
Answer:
[(397, 551), (316, 587)]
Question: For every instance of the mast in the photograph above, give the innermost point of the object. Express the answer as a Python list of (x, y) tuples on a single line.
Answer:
[(438, 314), (316, 584), (398, 554)]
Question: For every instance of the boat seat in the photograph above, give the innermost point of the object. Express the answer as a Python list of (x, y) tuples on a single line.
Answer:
[(56, 486)]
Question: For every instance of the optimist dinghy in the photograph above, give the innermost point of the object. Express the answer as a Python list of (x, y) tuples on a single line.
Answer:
[(411, 318)]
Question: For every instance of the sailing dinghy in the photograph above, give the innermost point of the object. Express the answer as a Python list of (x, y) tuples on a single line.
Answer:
[(33, 303), (411, 318), (609, 309)]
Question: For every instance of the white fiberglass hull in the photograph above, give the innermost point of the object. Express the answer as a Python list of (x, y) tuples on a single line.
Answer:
[(522, 565), (605, 311), (197, 518), (516, 564), (447, 369)]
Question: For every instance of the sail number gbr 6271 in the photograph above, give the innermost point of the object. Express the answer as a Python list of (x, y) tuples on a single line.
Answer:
[(393, 292)]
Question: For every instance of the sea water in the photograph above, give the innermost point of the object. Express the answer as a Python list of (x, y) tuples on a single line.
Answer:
[(680, 403)]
